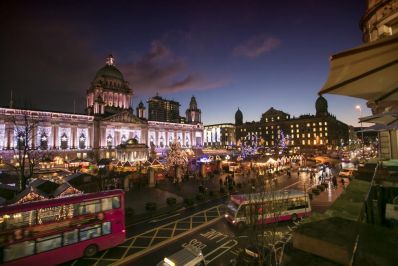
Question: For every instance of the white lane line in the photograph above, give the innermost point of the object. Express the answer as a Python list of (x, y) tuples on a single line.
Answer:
[(225, 248)]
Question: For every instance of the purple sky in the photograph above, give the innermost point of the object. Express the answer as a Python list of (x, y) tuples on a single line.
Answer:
[(229, 54)]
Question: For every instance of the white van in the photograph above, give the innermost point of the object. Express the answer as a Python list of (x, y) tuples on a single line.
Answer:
[(188, 256)]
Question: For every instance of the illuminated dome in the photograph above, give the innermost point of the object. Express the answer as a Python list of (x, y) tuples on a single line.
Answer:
[(321, 106)]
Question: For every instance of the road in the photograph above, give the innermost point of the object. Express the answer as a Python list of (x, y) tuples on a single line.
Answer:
[(149, 241)]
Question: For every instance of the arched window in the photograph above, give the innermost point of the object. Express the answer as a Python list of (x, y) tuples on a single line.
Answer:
[(161, 142), (64, 141), (21, 140), (43, 141), (109, 141), (152, 141), (187, 141), (82, 141)]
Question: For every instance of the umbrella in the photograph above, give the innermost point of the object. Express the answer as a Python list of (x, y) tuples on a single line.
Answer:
[(368, 71)]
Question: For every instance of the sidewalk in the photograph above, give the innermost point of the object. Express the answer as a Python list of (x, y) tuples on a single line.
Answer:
[(327, 197)]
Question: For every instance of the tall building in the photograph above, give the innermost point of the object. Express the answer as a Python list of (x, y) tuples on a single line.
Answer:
[(163, 110)]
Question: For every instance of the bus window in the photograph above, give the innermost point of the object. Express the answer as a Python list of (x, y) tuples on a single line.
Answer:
[(70, 237), (89, 207), (115, 202), (20, 219), (106, 228), (106, 204), (19, 250), (48, 243), (90, 232)]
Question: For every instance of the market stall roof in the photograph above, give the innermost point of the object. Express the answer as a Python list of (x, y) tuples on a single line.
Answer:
[(386, 118), (368, 71)]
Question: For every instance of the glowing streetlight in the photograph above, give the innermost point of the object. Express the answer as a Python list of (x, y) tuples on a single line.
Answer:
[(358, 107)]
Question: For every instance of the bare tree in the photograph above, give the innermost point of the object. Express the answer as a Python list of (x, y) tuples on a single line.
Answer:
[(26, 154)]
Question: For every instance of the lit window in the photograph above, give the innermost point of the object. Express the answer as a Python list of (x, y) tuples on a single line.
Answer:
[(320, 134), (70, 237), (326, 129), (297, 130), (321, 141), (314, 129), (313, 124), (308, 135), (297, 125), (291, 125), (308, 124), (325, 123), (292, 142), (326, 134), (314, 142), (309, 142), (278, 117), (48, 243), (303, 142), (320, 123), (320, 129)]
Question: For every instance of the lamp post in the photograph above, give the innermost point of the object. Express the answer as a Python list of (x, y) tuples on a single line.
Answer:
[(358, 107)]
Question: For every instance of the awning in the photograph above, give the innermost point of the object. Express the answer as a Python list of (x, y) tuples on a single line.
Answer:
[(387, 118), (369, 71)]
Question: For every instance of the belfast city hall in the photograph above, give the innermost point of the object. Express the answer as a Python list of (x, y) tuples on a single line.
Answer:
[(109, 123)]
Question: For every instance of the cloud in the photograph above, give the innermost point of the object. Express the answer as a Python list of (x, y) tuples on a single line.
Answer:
[(161, 70), (257, 46), (194, 83)]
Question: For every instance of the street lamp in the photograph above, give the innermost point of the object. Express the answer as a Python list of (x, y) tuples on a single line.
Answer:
[(358, 107)]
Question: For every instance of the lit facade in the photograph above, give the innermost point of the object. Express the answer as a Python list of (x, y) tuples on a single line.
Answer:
[(110, 122), (319, 131), (219, 135)]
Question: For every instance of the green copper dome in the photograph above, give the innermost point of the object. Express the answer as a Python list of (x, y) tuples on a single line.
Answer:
[(110, 71)]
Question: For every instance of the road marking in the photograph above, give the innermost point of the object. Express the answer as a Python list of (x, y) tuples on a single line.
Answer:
[(153, 232), (224, 247), (158, 220)]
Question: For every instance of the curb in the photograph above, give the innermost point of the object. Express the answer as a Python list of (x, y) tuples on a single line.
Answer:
[(163, 243)]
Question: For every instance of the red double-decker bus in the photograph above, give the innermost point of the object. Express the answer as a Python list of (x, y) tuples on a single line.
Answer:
[(59, 230)]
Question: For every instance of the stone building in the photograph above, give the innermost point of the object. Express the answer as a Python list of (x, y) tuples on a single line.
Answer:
[(109, 122), (307, 132)]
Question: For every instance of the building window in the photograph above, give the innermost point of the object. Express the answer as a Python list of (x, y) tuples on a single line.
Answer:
[(82, 141), (314, 129), (43, 141), (308, 135), (64, 141), (308, 124), (326, 129)]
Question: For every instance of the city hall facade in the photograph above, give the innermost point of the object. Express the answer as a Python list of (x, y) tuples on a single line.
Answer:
[(110, 121)]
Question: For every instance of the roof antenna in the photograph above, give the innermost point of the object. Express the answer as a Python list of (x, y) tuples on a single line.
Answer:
[(11, 101)]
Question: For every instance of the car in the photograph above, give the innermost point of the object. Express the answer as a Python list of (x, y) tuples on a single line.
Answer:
[(345, 173), (188, 256), (251, 256)]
